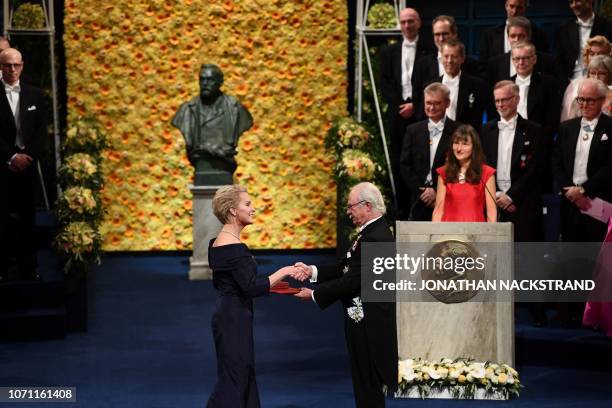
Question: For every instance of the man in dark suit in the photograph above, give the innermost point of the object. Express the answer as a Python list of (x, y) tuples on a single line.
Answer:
[(23, 123), (469, 95), (430, 67), (573, 34), (424, 150), (582, 164), (513, 146), (396, 83), (500, 67), (495, 41), (370, 328), (540, 102)]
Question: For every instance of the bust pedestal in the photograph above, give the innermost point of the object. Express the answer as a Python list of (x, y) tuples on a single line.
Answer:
[(205, 227)]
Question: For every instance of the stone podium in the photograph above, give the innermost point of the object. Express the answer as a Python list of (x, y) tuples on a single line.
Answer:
[(205, 227), (433, 330)]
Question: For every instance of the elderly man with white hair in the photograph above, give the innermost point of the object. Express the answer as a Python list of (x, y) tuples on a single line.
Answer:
[(582, 163), (370, 327)]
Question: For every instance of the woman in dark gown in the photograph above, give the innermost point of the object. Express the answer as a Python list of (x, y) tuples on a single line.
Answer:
[(234, 278), (466, 185)]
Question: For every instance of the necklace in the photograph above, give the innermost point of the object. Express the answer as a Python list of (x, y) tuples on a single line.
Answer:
[(233, 235), (461, 177)]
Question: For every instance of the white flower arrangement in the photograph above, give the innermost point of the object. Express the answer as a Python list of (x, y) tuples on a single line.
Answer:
[(462, 378)]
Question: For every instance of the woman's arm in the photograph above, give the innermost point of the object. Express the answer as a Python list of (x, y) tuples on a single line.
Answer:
[(438, 211), (490, 201), (281, 273)]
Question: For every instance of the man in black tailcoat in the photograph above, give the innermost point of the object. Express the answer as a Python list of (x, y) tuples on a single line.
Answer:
[(582, 164), (494, 41), (370, 327), (23, 127), (469, 95), (424, 150), (573, 34), (513, 146), (502, 67), (397, 64)]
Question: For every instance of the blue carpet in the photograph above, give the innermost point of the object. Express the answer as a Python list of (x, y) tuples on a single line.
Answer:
[(150, 345)]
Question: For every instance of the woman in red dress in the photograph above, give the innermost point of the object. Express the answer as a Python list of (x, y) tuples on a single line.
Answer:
[(466, 185)]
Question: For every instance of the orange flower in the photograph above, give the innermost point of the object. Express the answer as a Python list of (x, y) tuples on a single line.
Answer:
[(242, 89), (228, 5)]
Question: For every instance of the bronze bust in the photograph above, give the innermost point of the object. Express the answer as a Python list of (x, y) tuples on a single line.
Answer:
[(211, 124)]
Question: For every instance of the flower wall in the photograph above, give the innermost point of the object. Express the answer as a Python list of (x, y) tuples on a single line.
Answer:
[(132, 64)]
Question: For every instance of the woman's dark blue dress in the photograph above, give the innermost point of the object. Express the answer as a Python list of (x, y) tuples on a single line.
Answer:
[(234, 278)]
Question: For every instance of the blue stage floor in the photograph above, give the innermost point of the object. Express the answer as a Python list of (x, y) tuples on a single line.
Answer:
[(150, 345)]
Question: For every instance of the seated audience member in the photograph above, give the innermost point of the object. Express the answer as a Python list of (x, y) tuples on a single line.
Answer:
[(494, 41), (595, 46)]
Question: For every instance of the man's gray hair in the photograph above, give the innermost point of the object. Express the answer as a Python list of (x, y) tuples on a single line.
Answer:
[(519, 21), (600, 61), (369, 192), (602, 89), (524, 44), (513, 86), (437, 88)]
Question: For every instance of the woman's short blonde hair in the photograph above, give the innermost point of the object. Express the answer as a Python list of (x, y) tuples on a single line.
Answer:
[(226, 198), (598, 40)]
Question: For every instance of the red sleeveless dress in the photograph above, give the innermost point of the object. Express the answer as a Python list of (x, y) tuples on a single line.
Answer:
[(465, 202)]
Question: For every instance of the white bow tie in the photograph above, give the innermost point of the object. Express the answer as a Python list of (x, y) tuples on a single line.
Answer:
[(583, 24), (9, 88), (446, 80), (522, 81), (588, 126), (502, 124), (409, 44), (435, 128)]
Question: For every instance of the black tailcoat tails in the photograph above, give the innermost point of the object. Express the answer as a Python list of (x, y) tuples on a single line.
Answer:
[(370, 328)]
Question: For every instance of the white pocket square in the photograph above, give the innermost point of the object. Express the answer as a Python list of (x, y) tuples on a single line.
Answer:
[(31, 108), (527, 143), (604, 137)]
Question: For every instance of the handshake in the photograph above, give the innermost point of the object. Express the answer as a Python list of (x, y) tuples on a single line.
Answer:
[(300, 272)]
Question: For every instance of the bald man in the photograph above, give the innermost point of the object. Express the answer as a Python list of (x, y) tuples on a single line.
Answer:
[(23, 127), (397, 84)]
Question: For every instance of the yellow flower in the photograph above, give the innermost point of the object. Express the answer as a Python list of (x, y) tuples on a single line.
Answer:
[(150, 34)]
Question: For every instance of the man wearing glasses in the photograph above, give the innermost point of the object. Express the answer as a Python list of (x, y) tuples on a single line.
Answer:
[(501, 67), (23, 127), (424, 150), (582, 164), (370, 327), (495, 41)]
